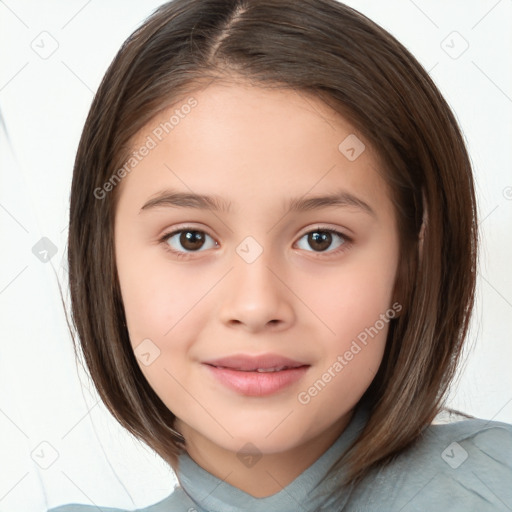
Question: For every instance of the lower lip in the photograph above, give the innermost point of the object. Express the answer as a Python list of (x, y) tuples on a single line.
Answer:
[(257, 383)]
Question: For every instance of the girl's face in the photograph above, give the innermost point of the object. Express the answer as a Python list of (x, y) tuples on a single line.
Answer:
[(254, 271)]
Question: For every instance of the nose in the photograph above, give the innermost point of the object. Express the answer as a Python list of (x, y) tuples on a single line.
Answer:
[(256, 297)]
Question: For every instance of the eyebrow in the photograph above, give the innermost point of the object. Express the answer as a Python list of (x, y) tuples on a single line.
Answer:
[(172, 198)]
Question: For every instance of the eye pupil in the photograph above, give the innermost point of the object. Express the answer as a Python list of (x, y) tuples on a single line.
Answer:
[(191, 240), (323, 238)]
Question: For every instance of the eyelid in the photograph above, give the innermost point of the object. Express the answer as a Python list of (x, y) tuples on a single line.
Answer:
[(166, 233), (347, 233)]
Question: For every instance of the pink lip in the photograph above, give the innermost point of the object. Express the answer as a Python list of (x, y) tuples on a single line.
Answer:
[(235, 373), (255, 383), (245, 362)]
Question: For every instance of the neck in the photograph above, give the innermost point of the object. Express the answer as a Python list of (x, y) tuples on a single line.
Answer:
[(272, 472)]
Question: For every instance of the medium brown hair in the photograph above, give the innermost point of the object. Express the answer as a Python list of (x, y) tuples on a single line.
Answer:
[(318, 47)]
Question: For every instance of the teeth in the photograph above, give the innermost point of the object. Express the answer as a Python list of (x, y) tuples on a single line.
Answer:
[(271, 369), (259, 370)]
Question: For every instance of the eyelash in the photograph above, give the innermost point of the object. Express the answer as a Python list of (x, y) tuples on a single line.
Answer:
[(186, 255)]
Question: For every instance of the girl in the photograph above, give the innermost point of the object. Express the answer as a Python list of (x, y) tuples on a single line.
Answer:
[(272, 257)]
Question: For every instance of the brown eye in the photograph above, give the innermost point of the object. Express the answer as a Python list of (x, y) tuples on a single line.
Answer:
[(191, 240), (320, 240), (188, 240)]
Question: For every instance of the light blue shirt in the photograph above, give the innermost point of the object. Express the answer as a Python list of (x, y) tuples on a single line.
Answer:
[(463, 466)]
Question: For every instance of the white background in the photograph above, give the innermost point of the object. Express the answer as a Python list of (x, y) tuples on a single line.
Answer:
[(44, 103)]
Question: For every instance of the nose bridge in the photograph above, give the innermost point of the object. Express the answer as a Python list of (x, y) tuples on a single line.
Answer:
[(252, 274), (256, 297)]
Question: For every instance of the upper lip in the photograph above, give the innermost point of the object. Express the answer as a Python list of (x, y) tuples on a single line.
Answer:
[(248, 363)]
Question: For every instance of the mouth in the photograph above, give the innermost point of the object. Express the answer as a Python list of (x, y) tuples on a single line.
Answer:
[(257, 375), (258, 363), (260, 370)]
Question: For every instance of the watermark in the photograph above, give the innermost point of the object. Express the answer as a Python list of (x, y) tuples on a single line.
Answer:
[(151, 142), (351, 147), (249, 455), (304, 397), (45, 45), (146, 352), (44, 250), (249, 249), (454, 455), (44, 455), (454, 45)]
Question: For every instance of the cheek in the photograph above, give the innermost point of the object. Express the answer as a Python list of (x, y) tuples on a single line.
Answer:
[(357, 314), (351, 299), (156, 299), (161, 304), (357, 311)]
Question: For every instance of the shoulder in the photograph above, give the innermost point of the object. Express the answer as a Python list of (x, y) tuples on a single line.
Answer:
[(465, 465), (470, 446), (178, 500)]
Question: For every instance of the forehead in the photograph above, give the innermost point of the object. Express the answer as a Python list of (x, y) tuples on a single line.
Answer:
[(254, 141)]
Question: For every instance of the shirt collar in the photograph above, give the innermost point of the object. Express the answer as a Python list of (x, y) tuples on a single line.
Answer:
[(214, 495)]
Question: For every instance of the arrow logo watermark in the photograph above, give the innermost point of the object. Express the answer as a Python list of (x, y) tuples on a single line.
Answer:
[(249, 455), (146, 352), (249, 249), (351, 147), (44, 250)]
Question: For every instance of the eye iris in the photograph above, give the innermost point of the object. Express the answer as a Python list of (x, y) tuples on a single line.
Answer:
[(324, 238), (191, 240)]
